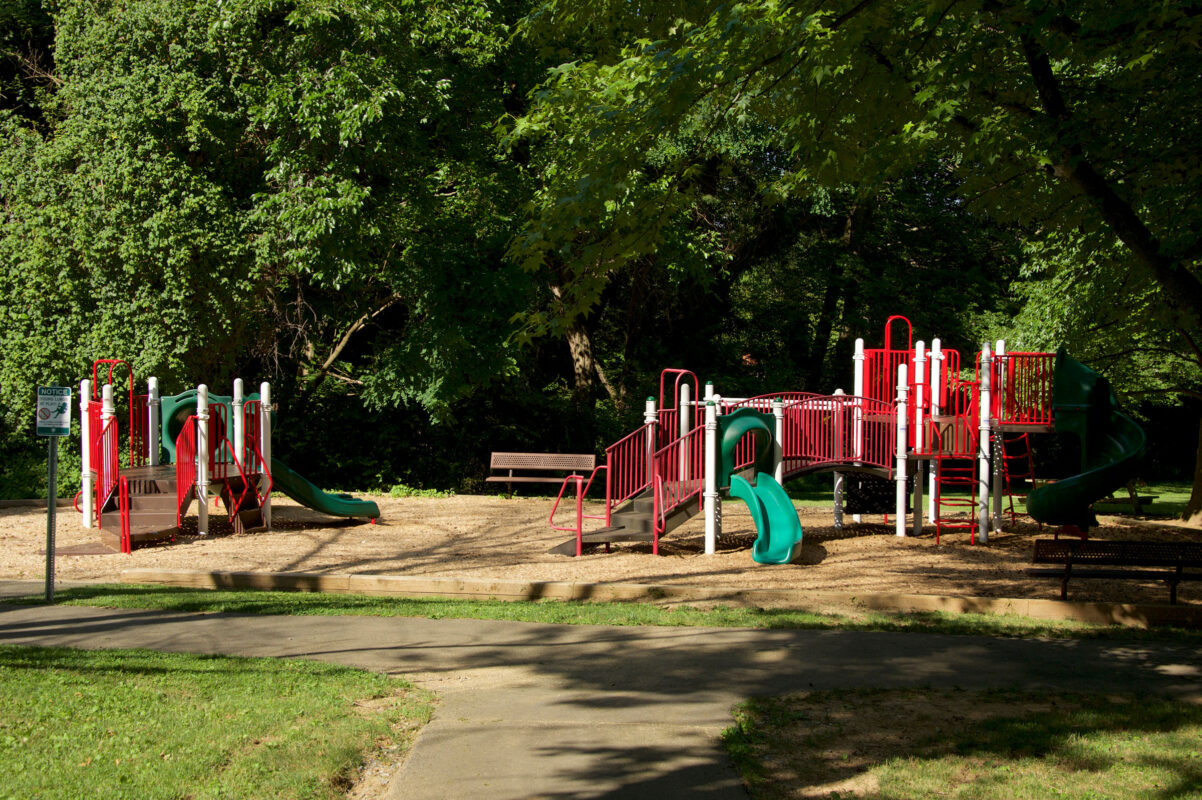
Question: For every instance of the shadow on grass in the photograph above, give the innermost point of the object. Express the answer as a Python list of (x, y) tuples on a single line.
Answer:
[(871, 743)]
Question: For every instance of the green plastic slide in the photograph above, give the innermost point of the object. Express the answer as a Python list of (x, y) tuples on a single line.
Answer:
[(300, 489), (779, 539), (779, 530), (1111, 446)]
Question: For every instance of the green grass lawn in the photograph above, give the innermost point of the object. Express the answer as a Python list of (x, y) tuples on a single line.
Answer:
[(140, 724), (986, 745), (169, 598)]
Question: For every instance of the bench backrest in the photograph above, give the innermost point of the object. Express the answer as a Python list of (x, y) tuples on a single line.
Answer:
[(1134, 553), (557, 461)]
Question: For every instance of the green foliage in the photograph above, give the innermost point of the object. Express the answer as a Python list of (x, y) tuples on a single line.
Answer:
[(1046, 112), (132, 723), (307, 188), (401, 490)]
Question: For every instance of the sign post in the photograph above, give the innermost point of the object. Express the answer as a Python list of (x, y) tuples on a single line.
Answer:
[(53, 421)]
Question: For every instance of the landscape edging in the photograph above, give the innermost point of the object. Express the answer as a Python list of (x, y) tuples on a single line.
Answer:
[(1139, 615)]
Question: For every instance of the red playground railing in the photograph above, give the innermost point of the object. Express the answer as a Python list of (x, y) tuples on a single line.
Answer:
[(1023, 388), (185, 467)]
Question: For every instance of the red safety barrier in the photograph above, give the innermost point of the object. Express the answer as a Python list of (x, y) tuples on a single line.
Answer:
[(581, 492), (679, 476), (822, 430), (139, 425), (185, 466), (628, 472), (1023, 388), (123, 508), (252, 454), (106, 460)]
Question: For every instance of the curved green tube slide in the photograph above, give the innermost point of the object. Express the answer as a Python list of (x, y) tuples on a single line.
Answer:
[(776, 523), (779, 539), (300, 489), (1111, 446)]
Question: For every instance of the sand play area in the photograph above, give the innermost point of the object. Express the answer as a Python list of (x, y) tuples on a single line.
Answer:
[(502, 538)]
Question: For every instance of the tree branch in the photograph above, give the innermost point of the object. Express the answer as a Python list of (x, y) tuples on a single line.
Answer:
[(1182, 289)]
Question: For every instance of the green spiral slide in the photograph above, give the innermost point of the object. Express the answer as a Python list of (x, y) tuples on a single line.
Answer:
[(779, 533), (1111, 446)]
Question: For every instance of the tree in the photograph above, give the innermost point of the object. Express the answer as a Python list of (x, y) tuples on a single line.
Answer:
[(1070, 117), (312, 188)]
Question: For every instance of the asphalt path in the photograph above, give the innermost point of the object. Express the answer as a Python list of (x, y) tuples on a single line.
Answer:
[(554, 711)]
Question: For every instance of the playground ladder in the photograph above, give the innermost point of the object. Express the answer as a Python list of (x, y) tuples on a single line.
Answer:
[(956, 513), (1017, 466)]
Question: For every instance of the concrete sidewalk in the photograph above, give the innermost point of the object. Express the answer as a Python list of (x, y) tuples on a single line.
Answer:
[(555, 711)]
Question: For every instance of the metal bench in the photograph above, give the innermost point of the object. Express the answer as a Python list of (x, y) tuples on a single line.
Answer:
[(525, 463), (1135, 501), (1118, 559)]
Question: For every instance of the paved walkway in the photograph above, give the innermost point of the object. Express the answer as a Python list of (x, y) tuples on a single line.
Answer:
[(557, 711)]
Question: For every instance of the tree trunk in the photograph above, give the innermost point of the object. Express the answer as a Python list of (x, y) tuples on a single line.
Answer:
[(585, 369), (1193, 509)]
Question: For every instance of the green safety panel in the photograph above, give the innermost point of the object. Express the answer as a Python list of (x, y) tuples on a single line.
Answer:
[(734, 426)]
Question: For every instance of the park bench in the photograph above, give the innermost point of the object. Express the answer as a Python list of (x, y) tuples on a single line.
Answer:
[(519, 467), (1166, 561), (1136, 501)]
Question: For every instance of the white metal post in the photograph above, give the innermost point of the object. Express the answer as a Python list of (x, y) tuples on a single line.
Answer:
[(935, 386), (902, 440), (999, 451), (685, 408), (265, 448), (838, 476), (713, 519), (984, 433), (237, 405), (857, 431), (154, 416), (107, 409), (921, 432), (650, 420), (85, 451), (778, 444), (202, 460), (709, 391), (857, 428)]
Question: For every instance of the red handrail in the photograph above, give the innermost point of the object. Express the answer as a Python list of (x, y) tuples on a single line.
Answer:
[(123, 509), (185, 466), (628, 472), (1023, 388), (581, 492), (105, 457)]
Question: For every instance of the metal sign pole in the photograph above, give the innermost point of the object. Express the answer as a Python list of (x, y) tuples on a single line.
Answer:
[(53, 419), (51, 507)]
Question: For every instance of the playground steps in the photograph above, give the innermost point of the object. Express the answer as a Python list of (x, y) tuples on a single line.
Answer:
[(250, 515), (632, 522), (152, 508)]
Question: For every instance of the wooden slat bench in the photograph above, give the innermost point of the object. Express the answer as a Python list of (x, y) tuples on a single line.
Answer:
[(525, 463), (1118, 559)]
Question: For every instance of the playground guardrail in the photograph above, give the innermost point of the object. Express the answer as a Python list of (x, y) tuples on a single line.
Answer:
[(581, 492)]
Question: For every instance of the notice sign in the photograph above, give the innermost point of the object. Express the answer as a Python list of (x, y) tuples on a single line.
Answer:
[(54, 411)]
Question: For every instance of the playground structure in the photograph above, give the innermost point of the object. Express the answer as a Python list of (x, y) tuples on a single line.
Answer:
[(956, 445), (183, 448)]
